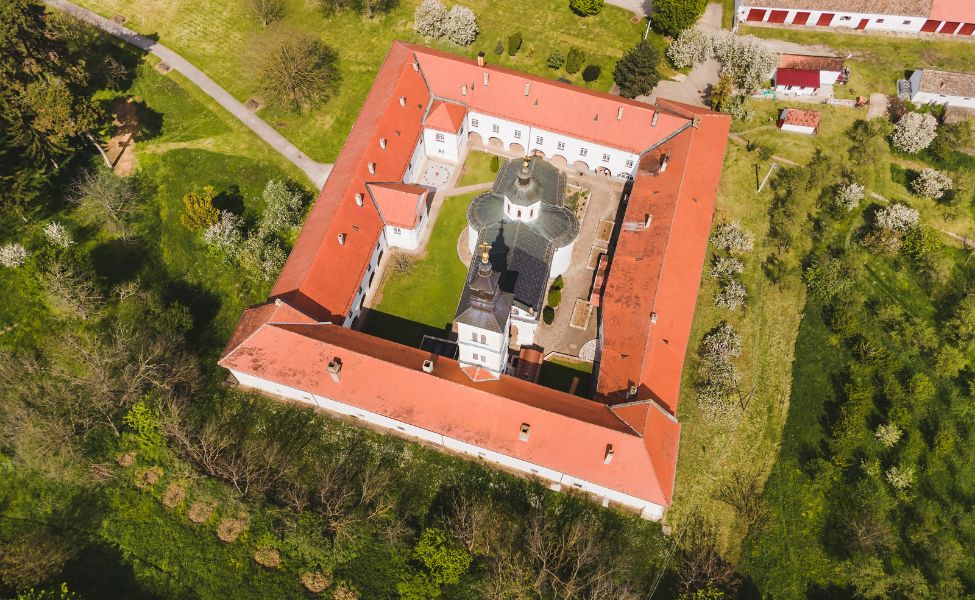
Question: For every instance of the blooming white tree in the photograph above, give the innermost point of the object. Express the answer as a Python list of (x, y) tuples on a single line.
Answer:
[(914, 132), (900, 478), (897, 217), (888, 434), (733, 238), (430, 18), (262, 256), (691, 47), (849, 195), (725, 266), (732, 294), (224, 235), (12, 255), (282, 208), (717, 374), (932, 183), (58, 235), (746, 59), (460, 26)]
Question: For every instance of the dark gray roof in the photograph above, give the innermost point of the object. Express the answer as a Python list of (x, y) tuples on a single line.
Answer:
[(484, 304), (521, 251)]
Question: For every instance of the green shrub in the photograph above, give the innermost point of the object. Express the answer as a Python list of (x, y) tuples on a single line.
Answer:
[(591, 73), (199, 212), (548, 315), (554, 297), (670, 17), (499, 48), (586, 8), (555, 60), (558, 283), (495, 164), (574, 61), (514, 43)]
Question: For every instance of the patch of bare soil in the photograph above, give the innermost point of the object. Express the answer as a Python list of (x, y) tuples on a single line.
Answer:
[(345, 593), (126, 460), (230, 529), (201, 511), (173, 495), (316, 582), (268, 557), (121, 148), (149, 477)]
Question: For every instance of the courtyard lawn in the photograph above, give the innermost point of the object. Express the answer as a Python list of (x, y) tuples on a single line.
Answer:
[(477, 168), (425, 300), (226, 42), (879, 60)]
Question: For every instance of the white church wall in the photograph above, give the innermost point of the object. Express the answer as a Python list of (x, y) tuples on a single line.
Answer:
[(648, 510), (526, 328), (482, 347), (561, 259)]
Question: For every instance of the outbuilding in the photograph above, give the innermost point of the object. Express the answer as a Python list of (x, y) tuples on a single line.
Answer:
[(799, 120)]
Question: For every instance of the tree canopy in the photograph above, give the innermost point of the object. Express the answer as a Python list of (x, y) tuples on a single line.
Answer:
[(636, 72), (670, 17)]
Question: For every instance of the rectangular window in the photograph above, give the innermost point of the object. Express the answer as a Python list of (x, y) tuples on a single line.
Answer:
[(560, 145), (880, 20), (473, 336), (538, 139), (583, 152), (483, 339), (517, 134), (846, 18), (605, 157), (908, 22), (397, 230), (440, 137), (495, 128), (629, 163), (473, 122)]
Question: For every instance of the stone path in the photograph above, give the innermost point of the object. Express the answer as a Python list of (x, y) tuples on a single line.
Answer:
[(477, 187), (316, 171)]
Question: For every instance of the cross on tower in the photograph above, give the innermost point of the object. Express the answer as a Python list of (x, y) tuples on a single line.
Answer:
[(485, 249)]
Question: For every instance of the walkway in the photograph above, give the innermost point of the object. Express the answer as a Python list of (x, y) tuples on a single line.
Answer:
[(316, 171)]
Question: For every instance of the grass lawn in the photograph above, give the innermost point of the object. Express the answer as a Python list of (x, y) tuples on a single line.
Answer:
[(878, 61), (558, 373), (228, 44), (710, 452), (477, 168), (424, 301)]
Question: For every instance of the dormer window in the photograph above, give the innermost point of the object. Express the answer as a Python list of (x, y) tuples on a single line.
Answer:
[(402, 100), (372, 168), (382, 143), (524, 432)]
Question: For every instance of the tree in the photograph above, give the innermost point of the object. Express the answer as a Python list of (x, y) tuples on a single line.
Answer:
[(106, 198), (70, 288), (828, 277), (282, 207), (58, 235), (199, 212), (731, 237), (224, 236), (731, 294), (555, 60), (300, 72), (848, 195), (691, 47), (262, 255), (670, 17), (514, 43), (12, 255), (721, 93), (32, 559), (430, 18), (267, 11), (888, 434), (914, 132), (574, 60), (47, 116), (746, 59), (499, 48), (931, 183), (717, 376), (591, 73), (586, 8), (460, 26), (897, 217), (636, 72)]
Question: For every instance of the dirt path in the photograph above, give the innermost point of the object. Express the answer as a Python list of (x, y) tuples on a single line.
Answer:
[(317, 172)]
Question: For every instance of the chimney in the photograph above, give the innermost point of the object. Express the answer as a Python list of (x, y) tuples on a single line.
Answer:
[(664, 158), (416, 66), (372, 168), (608, 457), (480, 59), (382, 143), (528, 87), (696, 123), (619, 114), (335, 369), (341, 239), (653, 317), (358, 199), (463, 90), (631, 393), (402, 100), (485, 78), (648, 218), (523, 433), (653, 121), (428, 366)]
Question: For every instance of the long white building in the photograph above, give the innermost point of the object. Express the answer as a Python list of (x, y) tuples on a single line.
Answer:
[(944, 17)]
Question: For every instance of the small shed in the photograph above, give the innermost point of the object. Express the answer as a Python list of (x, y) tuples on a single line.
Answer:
[(804, 75), (799, 120)]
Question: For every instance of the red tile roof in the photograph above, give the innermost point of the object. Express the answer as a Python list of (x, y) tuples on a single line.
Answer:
[(399, 204), (386, 378), (800, 117), (798, 77), (953, 10), (811, 63), (445, 116), (653, 271)]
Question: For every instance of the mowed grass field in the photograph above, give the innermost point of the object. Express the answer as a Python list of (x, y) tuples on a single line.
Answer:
[(222, 38)]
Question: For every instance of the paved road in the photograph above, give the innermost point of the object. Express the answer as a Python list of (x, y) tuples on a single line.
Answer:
[(316, 171), (690, 88)]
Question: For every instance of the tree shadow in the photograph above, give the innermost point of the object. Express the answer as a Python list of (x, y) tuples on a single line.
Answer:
[(231, 200), (119, 260)]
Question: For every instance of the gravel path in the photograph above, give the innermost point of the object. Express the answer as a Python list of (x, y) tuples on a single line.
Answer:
[(316, 171)]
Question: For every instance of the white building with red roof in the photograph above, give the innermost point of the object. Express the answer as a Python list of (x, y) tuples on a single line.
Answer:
[(805, 75), (799, 120), (621, 445), (943, 17)]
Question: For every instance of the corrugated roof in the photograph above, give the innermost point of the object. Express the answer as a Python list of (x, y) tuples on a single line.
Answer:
[(798, 77)]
